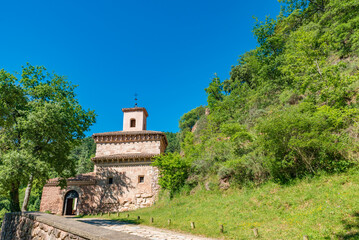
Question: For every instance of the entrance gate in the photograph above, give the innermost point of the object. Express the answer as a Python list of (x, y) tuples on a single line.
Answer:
[(70, 203)]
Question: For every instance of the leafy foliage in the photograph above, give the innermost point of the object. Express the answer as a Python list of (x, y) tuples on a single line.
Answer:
[(40, 122), (173, 171), (173, 142), (306, 139), (188, 120), (82, 155), (289, 108)]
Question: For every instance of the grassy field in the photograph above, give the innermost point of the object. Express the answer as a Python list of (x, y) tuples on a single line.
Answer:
[(324, 207)]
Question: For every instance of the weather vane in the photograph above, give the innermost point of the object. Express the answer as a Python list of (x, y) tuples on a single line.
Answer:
[(136, 99)]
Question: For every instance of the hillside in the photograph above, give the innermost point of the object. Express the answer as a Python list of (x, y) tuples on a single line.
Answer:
[(323, 207), (289, 109)]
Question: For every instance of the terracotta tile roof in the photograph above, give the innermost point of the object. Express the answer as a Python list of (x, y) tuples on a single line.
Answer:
[(128, 133), (124, 156), (85, 178)]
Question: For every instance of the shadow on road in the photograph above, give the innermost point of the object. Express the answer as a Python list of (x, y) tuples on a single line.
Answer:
[(104, 222)]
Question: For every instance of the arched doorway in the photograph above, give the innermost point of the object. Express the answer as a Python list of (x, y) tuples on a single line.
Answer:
[(70, 203)]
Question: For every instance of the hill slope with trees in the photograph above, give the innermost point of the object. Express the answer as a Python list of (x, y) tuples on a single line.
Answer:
[(289, 108)]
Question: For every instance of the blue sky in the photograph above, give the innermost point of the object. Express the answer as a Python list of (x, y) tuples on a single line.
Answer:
[(165, 51)]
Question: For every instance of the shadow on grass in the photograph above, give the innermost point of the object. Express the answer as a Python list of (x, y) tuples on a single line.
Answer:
[(351, 226)]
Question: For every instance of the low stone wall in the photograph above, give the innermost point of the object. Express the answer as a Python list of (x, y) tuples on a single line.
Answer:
[(36, 225)]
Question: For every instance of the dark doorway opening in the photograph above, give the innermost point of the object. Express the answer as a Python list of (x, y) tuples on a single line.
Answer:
[(70, 203)]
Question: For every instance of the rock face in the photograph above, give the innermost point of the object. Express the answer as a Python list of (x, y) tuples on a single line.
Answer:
[(123, 178), (41, 226)]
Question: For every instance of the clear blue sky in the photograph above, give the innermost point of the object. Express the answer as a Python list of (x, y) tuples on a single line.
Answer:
[(166, 51)]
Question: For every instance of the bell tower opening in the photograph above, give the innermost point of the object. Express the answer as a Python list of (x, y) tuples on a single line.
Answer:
[(133, 123)]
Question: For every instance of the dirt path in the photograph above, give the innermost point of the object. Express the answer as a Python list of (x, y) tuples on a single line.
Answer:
[(139, 230)]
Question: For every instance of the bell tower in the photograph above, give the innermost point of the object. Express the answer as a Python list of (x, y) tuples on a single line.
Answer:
[(134, 119)]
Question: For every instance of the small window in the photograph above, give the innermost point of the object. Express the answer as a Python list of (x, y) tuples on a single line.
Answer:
[(141, 179), (133, 123), (110, 180)]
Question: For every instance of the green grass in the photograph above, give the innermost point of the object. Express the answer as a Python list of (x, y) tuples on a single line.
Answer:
[(324, 207)]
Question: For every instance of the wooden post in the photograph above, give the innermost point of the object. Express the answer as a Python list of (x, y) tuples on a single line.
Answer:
[(151, 220), (221, 228), (109, 213), (193, 226), (118, 214), (255, 232), (128, 215), (305, 237)]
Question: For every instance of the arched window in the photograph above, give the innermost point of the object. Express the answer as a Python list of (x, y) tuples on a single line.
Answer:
[(133, 123)]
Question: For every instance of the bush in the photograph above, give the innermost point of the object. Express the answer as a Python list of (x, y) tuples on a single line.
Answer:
[(303, 139), (2, 214), (173, 171)]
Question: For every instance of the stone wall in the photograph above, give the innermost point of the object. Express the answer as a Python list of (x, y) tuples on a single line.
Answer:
[(127, 193), (148, 147), (52, 200), (124, 194), (35, 225)]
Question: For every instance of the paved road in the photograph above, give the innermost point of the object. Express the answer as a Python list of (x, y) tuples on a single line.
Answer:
[(139, 230)]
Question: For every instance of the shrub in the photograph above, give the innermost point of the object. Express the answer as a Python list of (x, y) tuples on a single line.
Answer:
[(2, 214), (173, 171), (303, 139)]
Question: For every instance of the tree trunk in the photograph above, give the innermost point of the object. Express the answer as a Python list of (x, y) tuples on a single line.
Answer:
[(27, 194), (14, 198)]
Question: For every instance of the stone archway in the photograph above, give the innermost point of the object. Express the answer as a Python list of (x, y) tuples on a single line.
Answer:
[(70, 203)]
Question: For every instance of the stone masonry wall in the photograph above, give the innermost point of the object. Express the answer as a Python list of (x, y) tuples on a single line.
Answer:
[(41, 226), (126, 193), (150, 147), (52, 200), (17, 226)]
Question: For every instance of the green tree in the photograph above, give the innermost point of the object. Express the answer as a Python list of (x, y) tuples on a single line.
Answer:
[(173, 142), (188, 120), (289, 108), (215, 92), (173, 171), (305, 139), (82, 155), (40, 122)]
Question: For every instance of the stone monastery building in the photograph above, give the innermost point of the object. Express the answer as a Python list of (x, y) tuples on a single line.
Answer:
[(123, 178)]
